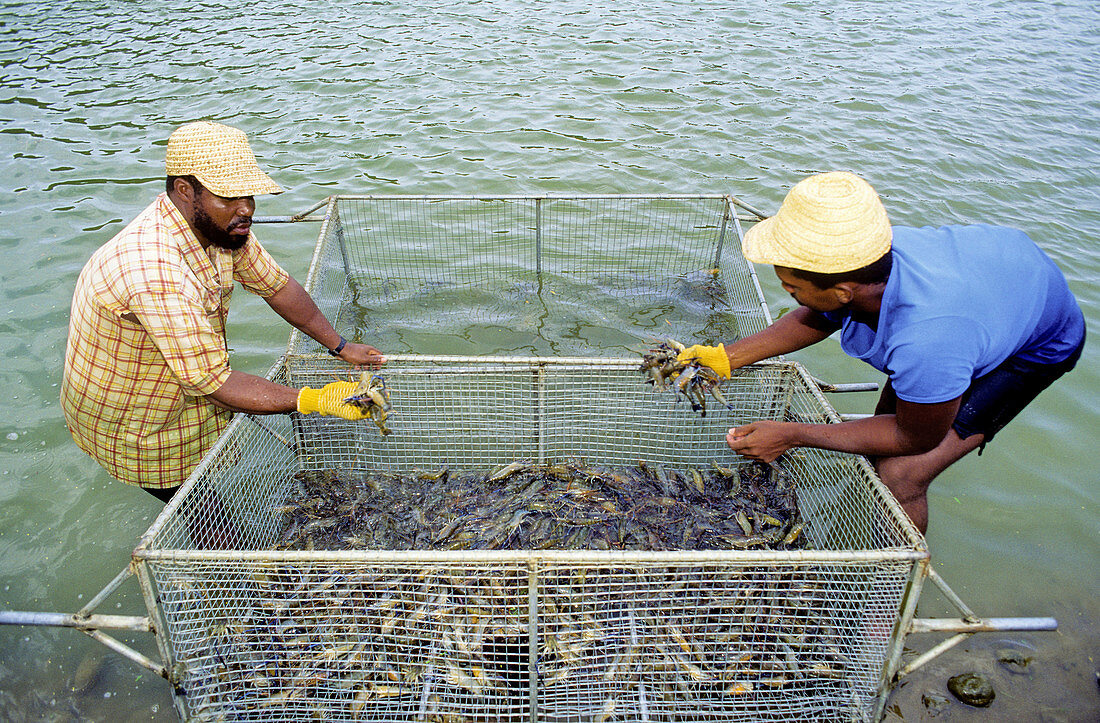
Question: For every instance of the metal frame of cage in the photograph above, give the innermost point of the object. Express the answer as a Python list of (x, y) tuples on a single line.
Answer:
[(396, 246), (864, 566), (206, 578)]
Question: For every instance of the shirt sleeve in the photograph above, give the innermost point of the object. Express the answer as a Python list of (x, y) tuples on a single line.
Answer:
[(192, 349), (256, 270), (934, 361)]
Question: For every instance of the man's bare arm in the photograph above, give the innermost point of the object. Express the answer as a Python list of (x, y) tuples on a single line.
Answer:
[(914, 429), (795, 330), (296, 306), (244, 392)]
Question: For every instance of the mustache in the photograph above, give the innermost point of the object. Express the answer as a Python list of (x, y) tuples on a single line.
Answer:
[(237, 223)]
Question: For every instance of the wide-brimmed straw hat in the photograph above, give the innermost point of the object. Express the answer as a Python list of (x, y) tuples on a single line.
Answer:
[(220, 157), (828, 223)]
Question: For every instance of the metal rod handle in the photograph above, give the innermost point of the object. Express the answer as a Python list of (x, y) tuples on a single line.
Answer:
[(68, 620), (759, 214), (963, 629), (285, 219), (843, 388), (988, 625)]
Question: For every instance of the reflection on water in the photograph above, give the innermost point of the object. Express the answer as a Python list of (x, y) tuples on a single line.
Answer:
[(552, 315)]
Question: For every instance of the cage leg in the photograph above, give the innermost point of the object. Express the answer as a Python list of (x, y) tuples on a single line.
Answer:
[(967, 613), (86, 622), (845, 388), (296, 217), (128, 652), (968, 624), (933, 652), (760, 215)]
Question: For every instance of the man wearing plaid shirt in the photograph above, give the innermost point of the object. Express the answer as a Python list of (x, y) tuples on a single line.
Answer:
[(147, 386)]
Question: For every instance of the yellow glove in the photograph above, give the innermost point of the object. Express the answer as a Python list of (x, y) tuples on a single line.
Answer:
[(709, 356), (330, 400)]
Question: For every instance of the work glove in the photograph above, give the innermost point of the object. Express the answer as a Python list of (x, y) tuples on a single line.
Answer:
[(329, 400), (709, 356)]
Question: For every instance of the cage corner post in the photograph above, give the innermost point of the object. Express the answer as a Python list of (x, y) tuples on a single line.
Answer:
[(140, 566)]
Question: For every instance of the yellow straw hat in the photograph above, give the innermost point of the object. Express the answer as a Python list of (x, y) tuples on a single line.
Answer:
[(828, 223), (220, 157)]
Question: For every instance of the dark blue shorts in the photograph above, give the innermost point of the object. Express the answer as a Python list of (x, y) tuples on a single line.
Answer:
[(162, 494), (992, 401)]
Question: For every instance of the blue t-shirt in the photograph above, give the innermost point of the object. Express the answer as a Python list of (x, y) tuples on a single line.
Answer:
[(960, 300)]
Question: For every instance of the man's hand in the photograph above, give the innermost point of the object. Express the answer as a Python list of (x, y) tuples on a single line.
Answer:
[(714, 357), (764, 440), (329, 400), (362, 355), (915, 429)]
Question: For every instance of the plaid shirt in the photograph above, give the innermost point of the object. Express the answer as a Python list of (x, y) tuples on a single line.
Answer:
[(147, 342)]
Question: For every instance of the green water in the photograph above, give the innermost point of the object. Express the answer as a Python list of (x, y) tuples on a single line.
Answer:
[(553, 316), (956, 112)]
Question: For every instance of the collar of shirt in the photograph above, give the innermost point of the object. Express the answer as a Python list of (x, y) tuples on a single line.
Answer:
[(213, 266)]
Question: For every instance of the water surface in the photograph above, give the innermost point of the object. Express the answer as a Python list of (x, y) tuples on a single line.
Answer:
[(956, 112)]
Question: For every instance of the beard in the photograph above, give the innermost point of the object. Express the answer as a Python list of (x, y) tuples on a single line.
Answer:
[(217, 236)]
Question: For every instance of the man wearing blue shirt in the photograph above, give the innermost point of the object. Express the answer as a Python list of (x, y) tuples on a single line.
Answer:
[(969, 323)]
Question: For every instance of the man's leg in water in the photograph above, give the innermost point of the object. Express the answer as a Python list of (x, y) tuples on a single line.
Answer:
[(909, 478), (991, 402)]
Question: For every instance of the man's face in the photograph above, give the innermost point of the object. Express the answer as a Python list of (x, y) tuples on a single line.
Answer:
[(810, 295), (224, 222)]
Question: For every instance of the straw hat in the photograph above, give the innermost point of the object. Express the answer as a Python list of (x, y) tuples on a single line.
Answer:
[(828, 223), (220, 157)]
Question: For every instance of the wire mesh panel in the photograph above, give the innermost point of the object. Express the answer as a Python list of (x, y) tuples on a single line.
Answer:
[(481, 412), (454, 638), (257, 633), (544, 276)]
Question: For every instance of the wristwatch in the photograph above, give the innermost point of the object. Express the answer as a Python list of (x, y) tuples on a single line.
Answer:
[(339, 347)]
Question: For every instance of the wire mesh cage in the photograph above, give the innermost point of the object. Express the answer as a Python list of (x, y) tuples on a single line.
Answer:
[(255, 633), (540, 276)]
